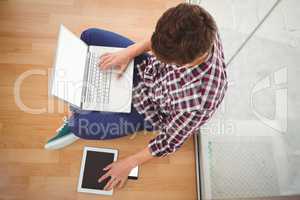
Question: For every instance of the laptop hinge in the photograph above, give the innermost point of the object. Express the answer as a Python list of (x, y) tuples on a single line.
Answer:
[(85, 79)]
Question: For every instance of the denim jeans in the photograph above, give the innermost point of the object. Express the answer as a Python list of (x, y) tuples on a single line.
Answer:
[(107, 125)]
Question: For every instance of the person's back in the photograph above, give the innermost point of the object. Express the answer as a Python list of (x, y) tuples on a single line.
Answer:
[(185, 81)]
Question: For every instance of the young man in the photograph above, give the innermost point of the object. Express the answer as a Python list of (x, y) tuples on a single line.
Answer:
[(176, 90)]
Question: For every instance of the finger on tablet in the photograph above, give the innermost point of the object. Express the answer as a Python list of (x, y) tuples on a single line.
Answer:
[(114, 184), (103, 177), (121, 184), (107, 167), (109, 184)]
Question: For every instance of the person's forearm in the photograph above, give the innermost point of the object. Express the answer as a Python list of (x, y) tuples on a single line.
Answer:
[(141, 157), (139, 48)]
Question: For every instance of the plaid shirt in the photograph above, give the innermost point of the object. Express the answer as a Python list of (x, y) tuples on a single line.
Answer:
[(177, 101)]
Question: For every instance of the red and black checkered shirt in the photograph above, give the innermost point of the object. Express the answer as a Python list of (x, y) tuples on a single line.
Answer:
[(177, 101)]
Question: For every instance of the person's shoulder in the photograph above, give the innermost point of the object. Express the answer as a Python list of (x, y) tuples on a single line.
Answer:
[(218, 57)]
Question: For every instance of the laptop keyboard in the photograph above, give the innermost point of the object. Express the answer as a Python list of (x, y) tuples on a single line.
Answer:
[(98, 83)]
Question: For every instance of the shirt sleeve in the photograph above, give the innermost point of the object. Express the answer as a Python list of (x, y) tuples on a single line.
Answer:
[(182, 125)]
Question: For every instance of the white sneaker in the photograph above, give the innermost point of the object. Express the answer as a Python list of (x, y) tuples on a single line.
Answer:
[(63, 137)]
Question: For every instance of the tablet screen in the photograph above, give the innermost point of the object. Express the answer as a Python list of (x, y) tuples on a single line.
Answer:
[(94, 163)]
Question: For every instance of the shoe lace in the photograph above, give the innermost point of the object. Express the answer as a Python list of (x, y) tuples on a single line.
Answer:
[(65, 120)]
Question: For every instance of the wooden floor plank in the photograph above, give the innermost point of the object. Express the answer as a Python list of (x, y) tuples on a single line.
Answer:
[(28, 37)]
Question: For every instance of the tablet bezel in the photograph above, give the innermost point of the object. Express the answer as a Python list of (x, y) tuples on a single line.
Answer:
[(96, 149)]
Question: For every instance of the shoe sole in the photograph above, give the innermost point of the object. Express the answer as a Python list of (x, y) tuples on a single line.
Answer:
[(61, 142)]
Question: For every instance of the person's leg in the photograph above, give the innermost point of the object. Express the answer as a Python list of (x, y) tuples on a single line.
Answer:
[(107, 125), (100, 37), (100, 125)]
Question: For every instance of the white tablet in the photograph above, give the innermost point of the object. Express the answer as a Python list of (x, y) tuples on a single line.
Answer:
[(92, 164)]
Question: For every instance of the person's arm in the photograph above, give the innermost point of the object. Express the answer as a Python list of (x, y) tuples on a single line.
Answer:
[(138, 48), (177, 131), (168, 141), (121, 59), (119, 170), (141, 157)]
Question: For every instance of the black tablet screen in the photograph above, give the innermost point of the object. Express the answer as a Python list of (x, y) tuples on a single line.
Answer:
[(93, 169)]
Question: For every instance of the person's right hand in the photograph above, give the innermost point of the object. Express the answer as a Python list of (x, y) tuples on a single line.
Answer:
[(119, 60)]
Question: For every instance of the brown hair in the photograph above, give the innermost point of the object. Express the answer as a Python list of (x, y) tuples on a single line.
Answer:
[(183, 33)]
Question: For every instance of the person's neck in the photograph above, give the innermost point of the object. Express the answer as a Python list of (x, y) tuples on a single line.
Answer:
[(199, 60)]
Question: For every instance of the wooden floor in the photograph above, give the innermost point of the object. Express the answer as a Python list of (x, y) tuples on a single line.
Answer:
[(28, 33)]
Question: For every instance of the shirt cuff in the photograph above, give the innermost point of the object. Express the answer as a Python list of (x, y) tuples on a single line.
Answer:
[(154, 149)]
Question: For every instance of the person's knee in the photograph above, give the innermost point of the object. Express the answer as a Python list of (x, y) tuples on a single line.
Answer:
[(87, 133), (86, 129), (86, 34), (79, 127)]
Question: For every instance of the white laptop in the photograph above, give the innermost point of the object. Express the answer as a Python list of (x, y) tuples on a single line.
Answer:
[(78, 80)]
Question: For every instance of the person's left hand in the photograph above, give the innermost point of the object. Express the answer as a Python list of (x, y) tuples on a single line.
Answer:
[(118, 171)]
